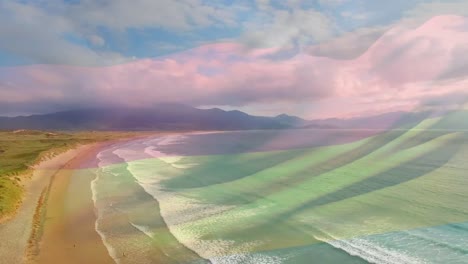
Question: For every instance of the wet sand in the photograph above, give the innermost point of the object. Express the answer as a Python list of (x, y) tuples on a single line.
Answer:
[(56, 221), (68, 231), (21, 234)]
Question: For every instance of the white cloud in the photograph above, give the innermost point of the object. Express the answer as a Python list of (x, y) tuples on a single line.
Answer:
[(96, 40), (403, 67), (263, 4), (29, 32), (332, 2), (290, 28), (355, 16), (425, 11), (43, 32), (349, 45), (169, 14)]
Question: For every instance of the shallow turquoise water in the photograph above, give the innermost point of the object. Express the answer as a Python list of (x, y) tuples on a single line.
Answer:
[(396, 197)]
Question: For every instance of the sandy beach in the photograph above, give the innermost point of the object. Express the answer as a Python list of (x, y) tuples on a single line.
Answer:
[(65, 236), (16, 231), (56, 220), (43, 230)]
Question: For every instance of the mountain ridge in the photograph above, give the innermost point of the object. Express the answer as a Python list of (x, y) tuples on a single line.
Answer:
[(183, 117), (168, 116)]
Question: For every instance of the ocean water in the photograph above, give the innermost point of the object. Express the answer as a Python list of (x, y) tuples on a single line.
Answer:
[(302, 196)]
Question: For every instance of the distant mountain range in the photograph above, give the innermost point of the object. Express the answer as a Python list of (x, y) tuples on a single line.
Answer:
[(161, 117), (183, 117)]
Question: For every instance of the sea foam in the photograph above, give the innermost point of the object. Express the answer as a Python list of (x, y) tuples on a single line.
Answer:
[(369, 251), (179, 211), (99, 211)]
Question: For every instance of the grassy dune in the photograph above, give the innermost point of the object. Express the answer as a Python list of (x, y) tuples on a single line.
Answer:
[(19, 150)]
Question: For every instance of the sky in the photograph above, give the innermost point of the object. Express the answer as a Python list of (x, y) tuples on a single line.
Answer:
[(315, 59)]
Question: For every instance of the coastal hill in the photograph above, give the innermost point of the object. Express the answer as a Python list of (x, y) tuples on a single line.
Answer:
[(160, 117), (171, 116)]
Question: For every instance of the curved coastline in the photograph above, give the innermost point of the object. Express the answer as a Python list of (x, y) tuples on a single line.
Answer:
[(18, 231), (137, 232), (68, 235)]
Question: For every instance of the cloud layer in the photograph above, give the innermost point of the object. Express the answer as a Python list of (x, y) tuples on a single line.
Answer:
[(109, 32), (400, 71)]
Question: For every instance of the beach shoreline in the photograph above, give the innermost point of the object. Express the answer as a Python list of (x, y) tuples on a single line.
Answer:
[(19, 231), (61, 237), (45, 227), (39, 229)]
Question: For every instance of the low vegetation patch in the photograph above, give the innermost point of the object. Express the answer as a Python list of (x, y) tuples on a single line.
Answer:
[(21, 149)]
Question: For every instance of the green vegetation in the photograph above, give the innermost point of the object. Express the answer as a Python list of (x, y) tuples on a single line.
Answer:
[(19, 150)]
